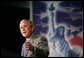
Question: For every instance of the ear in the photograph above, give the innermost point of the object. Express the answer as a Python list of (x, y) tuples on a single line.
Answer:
[(32, 28)]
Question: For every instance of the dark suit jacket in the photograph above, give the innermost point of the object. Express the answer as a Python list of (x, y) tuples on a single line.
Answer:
[(40, 45)]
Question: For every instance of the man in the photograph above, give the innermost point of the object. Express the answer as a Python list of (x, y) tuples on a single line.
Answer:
[(35, 45)]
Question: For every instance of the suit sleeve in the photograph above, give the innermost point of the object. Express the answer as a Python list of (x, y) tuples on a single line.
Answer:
[(22, 50), (42, 48)]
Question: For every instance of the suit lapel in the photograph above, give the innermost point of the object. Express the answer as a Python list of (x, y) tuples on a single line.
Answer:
[(32, 38)]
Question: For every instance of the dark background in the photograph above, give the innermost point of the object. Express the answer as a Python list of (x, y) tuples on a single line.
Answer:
[(11, 39)]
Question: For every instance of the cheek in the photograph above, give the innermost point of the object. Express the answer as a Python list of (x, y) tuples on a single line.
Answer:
[(21, 31), (28, 29)]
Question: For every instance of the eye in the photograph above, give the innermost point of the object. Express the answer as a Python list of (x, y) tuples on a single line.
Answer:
[(24, 26)]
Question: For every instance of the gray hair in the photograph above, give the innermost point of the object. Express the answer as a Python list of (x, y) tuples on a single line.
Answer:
[(30, 22)]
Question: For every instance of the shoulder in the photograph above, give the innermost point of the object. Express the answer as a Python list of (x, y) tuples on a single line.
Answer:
[(42, 38), (39, 37)]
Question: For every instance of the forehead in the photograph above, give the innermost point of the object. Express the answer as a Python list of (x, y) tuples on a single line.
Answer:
[(24, 23)]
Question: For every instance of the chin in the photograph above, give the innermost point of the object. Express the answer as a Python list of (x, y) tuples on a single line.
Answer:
[(27, 36), (24, 35)]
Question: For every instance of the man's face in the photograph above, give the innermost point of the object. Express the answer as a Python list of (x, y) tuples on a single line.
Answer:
[(25, 29)]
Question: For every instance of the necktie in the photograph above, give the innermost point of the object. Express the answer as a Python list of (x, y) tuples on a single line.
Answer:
[(27, 41)]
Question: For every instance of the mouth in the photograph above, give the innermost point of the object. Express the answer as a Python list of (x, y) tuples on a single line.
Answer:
[(24, 32)]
